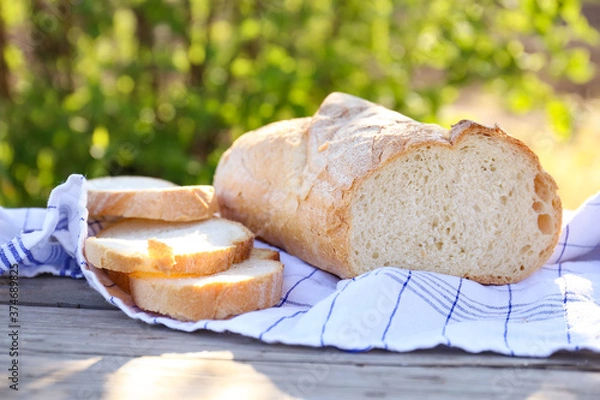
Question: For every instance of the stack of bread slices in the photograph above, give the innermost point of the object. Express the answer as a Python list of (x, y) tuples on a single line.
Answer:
[(172, 253)]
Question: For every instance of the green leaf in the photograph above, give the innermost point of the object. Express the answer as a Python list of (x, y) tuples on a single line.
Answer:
[(560, 117), (579, 67)]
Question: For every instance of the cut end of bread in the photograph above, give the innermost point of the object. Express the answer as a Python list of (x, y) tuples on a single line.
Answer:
[(250, 285), (479, 208), (359, 187), (202, 248)]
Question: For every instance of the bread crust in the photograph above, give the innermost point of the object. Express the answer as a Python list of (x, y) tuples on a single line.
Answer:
[(465, 128), (160, 257), (176, 203), (121, 279), (214, 297), (301, 202)]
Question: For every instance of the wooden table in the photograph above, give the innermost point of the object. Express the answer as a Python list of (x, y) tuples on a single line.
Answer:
[(72, 344)]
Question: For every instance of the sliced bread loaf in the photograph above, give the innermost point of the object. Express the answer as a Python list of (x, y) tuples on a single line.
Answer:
[(200, 247), (250, 285), (149, 198), (121, 279), (357, 187)]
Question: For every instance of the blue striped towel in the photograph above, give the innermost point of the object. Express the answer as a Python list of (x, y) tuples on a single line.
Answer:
[(557, 308)]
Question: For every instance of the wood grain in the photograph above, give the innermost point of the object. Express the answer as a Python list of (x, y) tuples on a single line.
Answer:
[(188, 376), (48, 290), (75, 345)]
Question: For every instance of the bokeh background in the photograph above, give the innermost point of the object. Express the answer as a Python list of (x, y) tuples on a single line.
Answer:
[(162, 87)]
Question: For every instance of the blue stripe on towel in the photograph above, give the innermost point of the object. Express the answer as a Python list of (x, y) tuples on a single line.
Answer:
[(427, 295), (512, 353), (4, 259), (14, 251), (27, 252), (280, 320), (284, 299), (395, 309), (564, 245), (451, 311), (331, 310), (565, 300)]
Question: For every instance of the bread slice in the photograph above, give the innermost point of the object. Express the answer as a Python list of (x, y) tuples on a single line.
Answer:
[(359, 187), (253, 284), (150, 198), (200, 248), (121, 279)]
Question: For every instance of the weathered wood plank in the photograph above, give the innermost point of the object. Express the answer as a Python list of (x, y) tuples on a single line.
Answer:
[(55, 291), (173, 375)]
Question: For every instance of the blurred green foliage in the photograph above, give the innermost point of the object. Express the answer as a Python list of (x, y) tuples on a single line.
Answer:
[(162, 87)]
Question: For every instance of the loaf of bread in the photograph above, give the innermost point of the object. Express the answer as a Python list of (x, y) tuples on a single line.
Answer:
[(197, 247), (149, 198), (252, 284), (358, 186)]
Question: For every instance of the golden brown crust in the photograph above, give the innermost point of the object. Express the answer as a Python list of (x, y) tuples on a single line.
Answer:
[(292, 182), (120, 279), (160, 257), (193, 298), (198, 263), (179, 203), (301, 202)]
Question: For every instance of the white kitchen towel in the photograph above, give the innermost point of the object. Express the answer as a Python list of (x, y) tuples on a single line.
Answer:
[(557, 308)]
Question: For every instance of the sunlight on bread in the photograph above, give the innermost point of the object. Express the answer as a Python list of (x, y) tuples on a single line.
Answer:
[(357, 187)]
